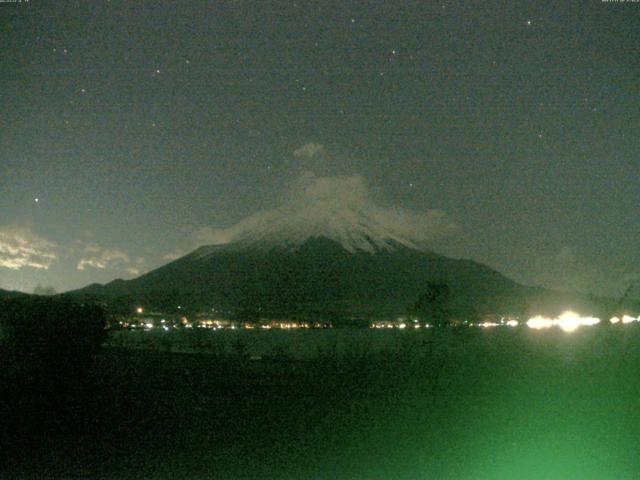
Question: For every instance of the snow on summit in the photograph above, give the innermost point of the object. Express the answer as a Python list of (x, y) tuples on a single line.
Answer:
[(339, 208)]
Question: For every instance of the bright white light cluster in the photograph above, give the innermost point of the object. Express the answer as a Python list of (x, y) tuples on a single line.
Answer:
[(625, 319), (568, 321), (489, 324)]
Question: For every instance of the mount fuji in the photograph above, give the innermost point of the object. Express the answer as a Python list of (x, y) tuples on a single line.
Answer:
[(329, 249)]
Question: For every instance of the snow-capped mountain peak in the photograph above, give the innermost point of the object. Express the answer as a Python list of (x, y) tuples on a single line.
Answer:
[(340, 209)]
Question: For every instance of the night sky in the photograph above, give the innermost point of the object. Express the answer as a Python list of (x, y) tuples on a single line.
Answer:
[(131, 129)]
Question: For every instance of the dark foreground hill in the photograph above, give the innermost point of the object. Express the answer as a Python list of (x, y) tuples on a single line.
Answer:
[(443, 404)]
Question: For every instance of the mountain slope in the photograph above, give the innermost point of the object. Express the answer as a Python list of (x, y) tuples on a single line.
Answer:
[(11, 294), (316, 277)]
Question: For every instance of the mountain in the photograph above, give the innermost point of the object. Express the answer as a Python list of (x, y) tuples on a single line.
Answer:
[(316, 277), (328, 250)]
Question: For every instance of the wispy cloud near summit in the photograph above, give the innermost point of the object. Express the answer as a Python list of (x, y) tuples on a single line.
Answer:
[(339, 207)]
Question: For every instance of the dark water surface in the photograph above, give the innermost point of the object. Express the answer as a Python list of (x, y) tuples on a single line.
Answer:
[(449, 404)]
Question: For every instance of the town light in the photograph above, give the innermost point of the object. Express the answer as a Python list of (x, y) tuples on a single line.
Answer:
[(539, 322), (569, 321)]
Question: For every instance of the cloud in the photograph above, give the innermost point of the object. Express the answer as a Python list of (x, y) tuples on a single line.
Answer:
[(92, 248), (213, 236), (309, 150), (341, 208), (40, 290), (94, 256), (20, 247), (103, 259), (177, 253), (566, 255)]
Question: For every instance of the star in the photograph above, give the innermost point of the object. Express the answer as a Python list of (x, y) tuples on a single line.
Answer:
[(529, 22), (36, 199)]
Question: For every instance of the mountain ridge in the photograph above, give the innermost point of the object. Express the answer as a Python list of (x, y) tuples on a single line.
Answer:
[(12, 294), (318, 275)]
